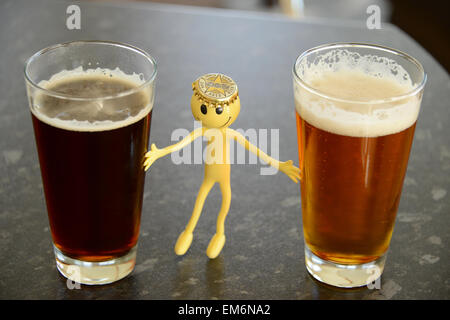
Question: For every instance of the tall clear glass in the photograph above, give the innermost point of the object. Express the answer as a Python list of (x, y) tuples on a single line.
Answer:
[(356, 110), (91, 105)]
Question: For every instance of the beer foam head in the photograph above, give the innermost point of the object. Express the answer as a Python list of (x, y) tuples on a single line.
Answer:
[(92, 99), (349, 94)]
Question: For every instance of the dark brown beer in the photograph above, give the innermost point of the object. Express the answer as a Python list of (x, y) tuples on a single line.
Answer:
[(351, 190), (91, 154)]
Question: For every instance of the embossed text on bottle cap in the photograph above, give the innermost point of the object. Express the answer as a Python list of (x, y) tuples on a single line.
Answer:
[(215, 88)]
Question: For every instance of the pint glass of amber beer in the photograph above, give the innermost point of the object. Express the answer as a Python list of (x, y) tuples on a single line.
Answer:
[(91, 104), (356, 109)]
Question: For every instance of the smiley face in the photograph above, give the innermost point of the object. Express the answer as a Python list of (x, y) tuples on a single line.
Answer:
[(215, 115)]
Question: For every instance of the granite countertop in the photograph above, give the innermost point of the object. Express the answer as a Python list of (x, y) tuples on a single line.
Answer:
[(263, 257)]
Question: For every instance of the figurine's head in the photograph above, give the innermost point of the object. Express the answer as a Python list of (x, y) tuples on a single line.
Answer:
[(215, 101)]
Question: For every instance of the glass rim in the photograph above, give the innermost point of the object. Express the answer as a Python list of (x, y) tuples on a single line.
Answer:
[(80, 42), (417, 88)]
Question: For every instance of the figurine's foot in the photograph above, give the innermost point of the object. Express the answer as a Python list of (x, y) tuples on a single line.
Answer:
[(215, 245), (183, 243)]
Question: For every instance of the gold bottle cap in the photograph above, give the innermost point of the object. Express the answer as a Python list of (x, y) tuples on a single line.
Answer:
[(215, 88)]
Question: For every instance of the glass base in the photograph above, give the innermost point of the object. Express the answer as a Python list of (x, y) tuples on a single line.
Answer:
[(344, 275), (102, 272)]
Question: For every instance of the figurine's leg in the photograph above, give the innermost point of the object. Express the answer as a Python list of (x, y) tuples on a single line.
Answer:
[(185, 239), (218, 240)]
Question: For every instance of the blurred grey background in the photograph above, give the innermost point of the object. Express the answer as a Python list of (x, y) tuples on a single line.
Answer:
[(425, 21)]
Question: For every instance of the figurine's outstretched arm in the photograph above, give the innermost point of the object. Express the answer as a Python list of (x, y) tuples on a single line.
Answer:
[(156, 153), (286, 167)]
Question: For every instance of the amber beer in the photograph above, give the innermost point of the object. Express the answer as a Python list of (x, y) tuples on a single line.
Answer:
[(352, 187), (352, 171), (356, 112), (90, 154)]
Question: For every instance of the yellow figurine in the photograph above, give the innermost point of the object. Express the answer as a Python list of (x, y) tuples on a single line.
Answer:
[(216, 104)]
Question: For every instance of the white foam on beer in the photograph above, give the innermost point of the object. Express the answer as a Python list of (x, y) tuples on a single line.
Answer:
[(88, 126), (355, 86)]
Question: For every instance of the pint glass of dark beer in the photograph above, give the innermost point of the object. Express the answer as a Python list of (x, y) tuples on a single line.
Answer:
[(356, 109), (91, 105)]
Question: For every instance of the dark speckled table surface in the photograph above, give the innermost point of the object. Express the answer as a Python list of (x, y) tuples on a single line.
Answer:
[(263, 257)]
